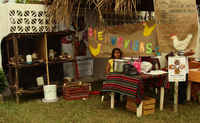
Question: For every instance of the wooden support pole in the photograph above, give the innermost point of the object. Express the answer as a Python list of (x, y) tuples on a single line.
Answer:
[(16, 60), (139, 110), (46, 58), (189, 91), (176, 96), (162, 93)]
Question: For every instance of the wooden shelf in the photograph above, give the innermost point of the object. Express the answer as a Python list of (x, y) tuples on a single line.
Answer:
[(59, 61), (22, 76), (30, 91), (23, 65)]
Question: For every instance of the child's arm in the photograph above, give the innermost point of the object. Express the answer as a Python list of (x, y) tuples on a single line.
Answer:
[(108, 68)]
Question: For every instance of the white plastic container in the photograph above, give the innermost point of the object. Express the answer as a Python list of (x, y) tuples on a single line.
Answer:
[(29, 59), (50, 93)]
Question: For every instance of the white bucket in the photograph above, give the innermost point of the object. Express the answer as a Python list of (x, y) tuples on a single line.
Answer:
[(50, 93)]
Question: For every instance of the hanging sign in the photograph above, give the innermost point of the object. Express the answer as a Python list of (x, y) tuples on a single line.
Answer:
[(177, 68), (132, 39), (177, 24)]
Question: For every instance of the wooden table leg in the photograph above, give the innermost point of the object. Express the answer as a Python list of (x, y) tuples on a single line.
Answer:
[(156, 91), (112, 100), (162, 93), (189, 91), (176, 96), (102, 98), (139, 110)]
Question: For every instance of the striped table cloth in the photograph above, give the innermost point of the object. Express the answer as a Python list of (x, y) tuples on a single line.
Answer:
[(132, 86)]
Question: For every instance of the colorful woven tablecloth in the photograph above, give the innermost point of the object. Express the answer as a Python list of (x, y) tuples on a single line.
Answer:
[(133, 86)]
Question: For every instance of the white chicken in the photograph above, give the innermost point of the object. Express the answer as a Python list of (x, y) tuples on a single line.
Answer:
[(181, 45)]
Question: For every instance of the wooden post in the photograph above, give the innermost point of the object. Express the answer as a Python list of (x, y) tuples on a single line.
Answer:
[(176, 96), (189, 91), (139, 110), (16, 54), (162, 93), (112, 100), (46, 58)]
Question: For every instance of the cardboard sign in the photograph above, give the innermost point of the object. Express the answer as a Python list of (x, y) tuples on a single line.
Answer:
[(177, 24), (177, 68), (132, 39)]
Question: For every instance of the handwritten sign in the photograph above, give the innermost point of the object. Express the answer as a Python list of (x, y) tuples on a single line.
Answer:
[(175, 17), (132, 39), (177, 68)]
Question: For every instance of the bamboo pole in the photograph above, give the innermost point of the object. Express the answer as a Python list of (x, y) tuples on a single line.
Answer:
[(46, 58)]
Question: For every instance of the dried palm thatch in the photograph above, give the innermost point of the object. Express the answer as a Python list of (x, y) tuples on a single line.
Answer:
[(61, 10), (125, 7)]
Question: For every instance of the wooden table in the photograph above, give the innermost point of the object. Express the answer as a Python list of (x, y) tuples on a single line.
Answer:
[(193, 76)]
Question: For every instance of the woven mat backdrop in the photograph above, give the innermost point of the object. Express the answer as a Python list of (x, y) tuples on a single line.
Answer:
[(176, 18)]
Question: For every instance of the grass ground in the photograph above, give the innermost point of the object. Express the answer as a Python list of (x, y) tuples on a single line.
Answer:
[(90, 111)]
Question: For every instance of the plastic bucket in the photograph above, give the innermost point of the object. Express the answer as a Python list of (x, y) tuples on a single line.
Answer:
[(50, 92)]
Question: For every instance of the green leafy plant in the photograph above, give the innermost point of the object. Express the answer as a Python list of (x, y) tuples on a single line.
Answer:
[(3, 81)]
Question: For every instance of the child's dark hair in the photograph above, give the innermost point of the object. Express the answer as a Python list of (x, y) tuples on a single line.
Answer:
[(113, 52)]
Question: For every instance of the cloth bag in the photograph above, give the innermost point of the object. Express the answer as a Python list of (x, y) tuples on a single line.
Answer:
[(137, 65), (129, 69)]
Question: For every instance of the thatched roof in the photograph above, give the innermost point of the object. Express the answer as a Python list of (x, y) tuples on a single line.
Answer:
[(61, 10)]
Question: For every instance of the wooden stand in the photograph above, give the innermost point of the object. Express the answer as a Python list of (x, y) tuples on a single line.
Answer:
[(37, 42)]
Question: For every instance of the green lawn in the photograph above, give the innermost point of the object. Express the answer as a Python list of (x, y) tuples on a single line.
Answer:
[(90, 111)]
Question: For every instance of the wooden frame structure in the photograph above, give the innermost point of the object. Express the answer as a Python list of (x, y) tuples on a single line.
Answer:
[(14, 65)]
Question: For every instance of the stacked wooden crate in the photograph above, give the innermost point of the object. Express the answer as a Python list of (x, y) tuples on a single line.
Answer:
[(148, 106), (75, 91)]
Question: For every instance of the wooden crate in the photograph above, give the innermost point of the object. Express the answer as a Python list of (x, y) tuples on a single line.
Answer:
[(75, 91), (194, 75), (148, 106)]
